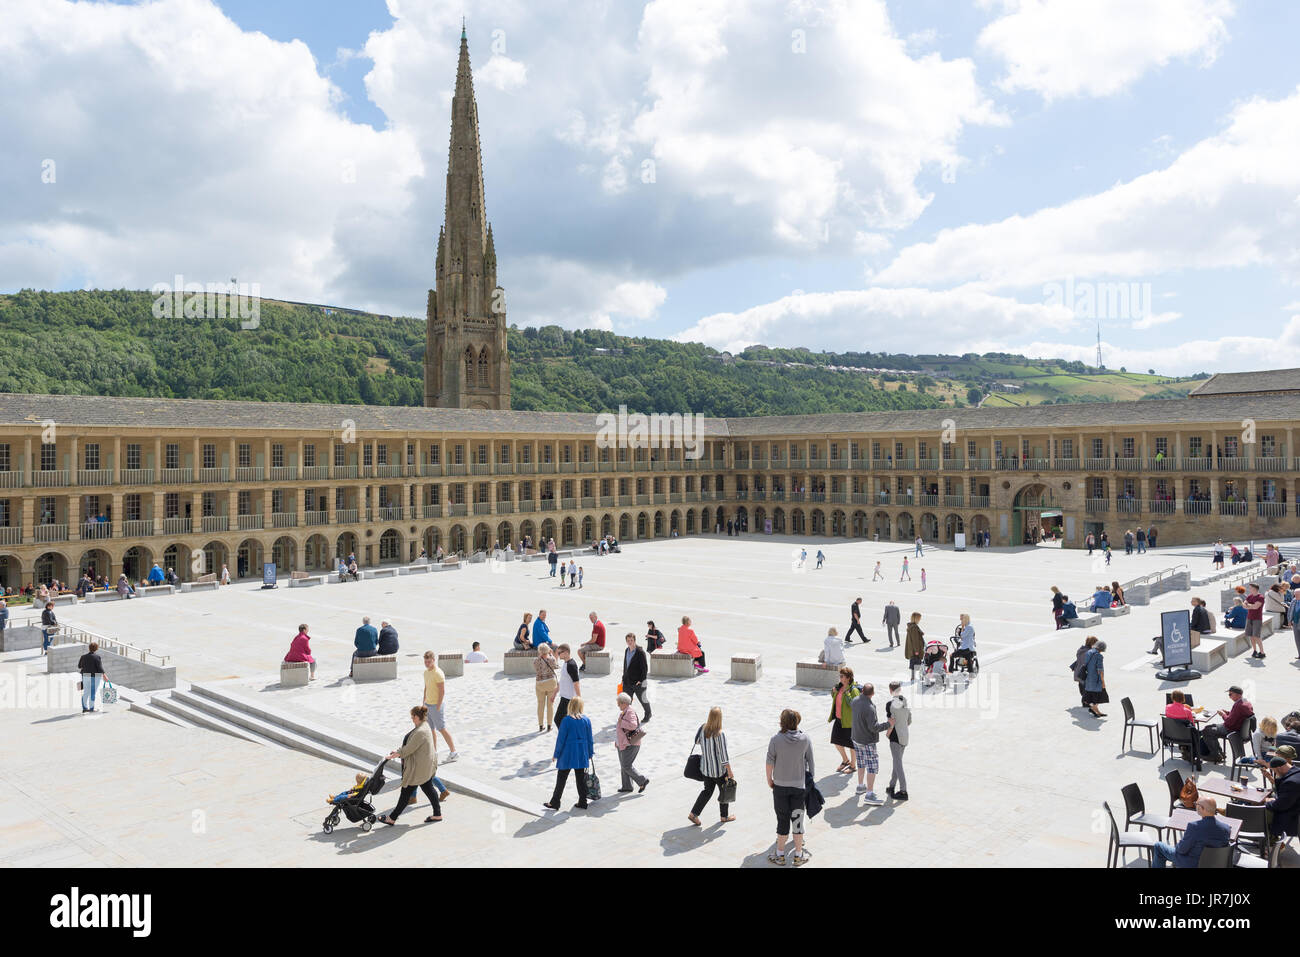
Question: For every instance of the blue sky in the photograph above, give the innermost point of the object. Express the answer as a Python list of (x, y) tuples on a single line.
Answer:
[(840, 174)]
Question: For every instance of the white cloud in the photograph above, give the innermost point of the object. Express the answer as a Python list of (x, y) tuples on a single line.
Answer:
[(1155, 319), (502, 73), (1228, 201), (1066, 48)]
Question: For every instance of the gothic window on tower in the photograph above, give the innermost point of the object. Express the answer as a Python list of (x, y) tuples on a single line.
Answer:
[(469, 365), (483, 368)]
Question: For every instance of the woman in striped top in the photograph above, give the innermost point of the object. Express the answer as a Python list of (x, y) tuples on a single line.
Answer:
[(714, 763)]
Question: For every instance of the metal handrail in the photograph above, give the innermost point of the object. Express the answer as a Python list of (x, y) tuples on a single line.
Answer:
[(1154, 576), (68, 634)]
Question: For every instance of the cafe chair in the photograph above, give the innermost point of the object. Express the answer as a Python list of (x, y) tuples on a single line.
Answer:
[(1216, 856), (1135, 811), (1250, 860), (1254, 826), (1174, 780), (1121, 841), (1187, 699), (1176, 734), (1131, 721)]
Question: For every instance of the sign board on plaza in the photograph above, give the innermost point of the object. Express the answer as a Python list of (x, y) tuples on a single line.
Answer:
[(1176, 627)]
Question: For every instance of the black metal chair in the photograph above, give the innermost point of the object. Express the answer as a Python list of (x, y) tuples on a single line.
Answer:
[(1250, 860), (1174, 780), (1254, 826), (1237, 752), (1121, 841), (1176, 734), (1131, 721), (1216, 856), (1135, 811)]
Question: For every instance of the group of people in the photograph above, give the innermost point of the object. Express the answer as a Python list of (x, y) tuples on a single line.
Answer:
[(1238, 555)]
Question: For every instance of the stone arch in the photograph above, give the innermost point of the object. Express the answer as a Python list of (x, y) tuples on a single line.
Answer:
[(344, 545), (906, 527), (675, 522), (778, 521), (11, 572), (284, 552), (953, 524), (881, 526), (642, 525), (96, 561), (798, 523), (458, 540), (215, 554), (506, 535), (929, 527), (859, 524), (136, 562), (817, 525), (588, 529), (548, 529), (317, 553), (659, 524), (839, 523), (49, 565), (484, 367), (177, 556), (528, 532), (482, 537), (690, 521), (606, 525), (568, 531)]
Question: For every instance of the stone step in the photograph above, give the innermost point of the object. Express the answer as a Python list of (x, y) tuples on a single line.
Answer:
[(198, 718), (149, 709)]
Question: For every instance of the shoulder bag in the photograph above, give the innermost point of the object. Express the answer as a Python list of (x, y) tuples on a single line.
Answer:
[(693, 770)]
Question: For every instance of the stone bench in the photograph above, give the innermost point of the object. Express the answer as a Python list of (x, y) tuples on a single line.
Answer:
[(452, 664), (1086, 620), (1209, 654), (671, 665), (746, 667), (478, 557), (95, 596), (815, 674), (375, 668), (294, 674), (413, 570), (1235, 639), (335, 578), (597, 663), (151, 591), (1115, 612), (200, 586), (306, 581), (387, 572), (519, 662), (68, 599), (535, 557)]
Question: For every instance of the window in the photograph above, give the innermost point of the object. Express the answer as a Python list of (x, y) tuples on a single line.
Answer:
[(1195, 446), (340, 499), (435, 454), (526, 454), (1098, 449), (131, 505), (875, 450), (209, 502), (640, 486), (546, 455), (921, 450), (245, 455), (383, 496), (340, 455), (459, 457), (133, 456), (309, 456), (48, 457), (482, 455), (1067, 448), (898, 450), (367, 455), (209, 459), (1129, 488), (997, 448), (481, 492), (435, 494), (410, 453), (566, 454), (90, 507), (381, 454), (172, 456), (1024, 449), (4, 513), (1098, 488), (1267, 447), (947, 451), (1128, 445), (458, 494), (1162, 445), (505, 453), (1268, 490), (622, 486), (47, 510), (526, 491), (171, 505), (277, 500), (1230, 448), (92, 456)]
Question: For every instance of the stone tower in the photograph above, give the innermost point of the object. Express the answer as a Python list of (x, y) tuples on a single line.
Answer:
[(466, 365)]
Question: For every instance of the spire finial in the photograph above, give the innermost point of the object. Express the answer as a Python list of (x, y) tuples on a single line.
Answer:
[(462, 28)]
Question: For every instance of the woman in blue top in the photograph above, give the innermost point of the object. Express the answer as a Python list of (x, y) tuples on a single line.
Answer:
[(1235, 617), (574, 749), (965, 643), (1094, 684)]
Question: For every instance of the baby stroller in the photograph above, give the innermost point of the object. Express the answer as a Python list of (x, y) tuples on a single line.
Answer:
[(965, 662), (936, 664), (357, 807)]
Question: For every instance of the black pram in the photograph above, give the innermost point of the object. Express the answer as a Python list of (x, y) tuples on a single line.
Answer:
[(356, 805)]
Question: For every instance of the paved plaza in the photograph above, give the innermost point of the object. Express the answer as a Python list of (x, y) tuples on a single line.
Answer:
[(1006, 771)]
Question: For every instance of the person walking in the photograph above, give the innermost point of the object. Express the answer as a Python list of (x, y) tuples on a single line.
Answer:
[(574, 749), (855, 623), (564, 570), (92, 673), (899, 716), (4, 616), (1217, 560), (865, 732), (923, 578), (225, 574), (1058, 608), (419, 765), (553, 559), (1254, 603), (920, 551), (435, 699), (820, 558), (570, 686), (627, 740), (890, 620), (49, 627), (878, 574), (906, 575), (636, 670), (914, 650), (523, 639), (1080, 674), (547, 669), (789, 765), (841, 719), (1094, 685), (715, 765), (573, 573), (1091, 542), (300, 650)]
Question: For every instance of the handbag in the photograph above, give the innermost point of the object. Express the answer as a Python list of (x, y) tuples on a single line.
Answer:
[(727, 792), (110, 693), (693, 770), (593, 783)]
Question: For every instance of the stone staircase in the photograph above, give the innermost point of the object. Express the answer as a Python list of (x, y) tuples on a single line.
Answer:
[(214, 709)]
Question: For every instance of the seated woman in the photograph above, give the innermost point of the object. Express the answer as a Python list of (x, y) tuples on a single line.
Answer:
[(1117, 593), (1247, 555), (1275, 602), (1177, 707), (1235, 617)]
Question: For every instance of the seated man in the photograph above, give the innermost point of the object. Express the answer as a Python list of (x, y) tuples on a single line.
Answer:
[(1235, 617), (366, 642), (1101, 598), (475, 656), (1285, 803), (1206, 831), (1213, 735), (387, 639)]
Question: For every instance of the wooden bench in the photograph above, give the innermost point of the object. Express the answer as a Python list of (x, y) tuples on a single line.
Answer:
[(671, 665), (1209, 654), (746, 667), (597, 663), (1087, 620), (815, 674), (306, 581), (1115, 612), (294, 674), (519, 662), (375, 668), (200, 586), (452, 664), (149, 591)]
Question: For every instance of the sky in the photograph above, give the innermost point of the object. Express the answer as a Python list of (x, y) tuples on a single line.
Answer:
[(867, 175)]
